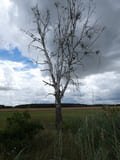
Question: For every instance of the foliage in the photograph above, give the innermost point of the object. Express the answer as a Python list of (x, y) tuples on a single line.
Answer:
[(18, 132), (91, 137)]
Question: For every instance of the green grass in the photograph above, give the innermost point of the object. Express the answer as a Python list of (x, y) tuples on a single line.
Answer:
[(91, 134), (48, 117), (3, 117)]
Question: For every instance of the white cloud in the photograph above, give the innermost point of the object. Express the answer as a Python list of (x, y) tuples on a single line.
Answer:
[(19, 86), (101, 88), (96, 89)]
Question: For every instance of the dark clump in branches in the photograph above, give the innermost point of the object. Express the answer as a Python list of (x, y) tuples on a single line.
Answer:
[(73, 36)]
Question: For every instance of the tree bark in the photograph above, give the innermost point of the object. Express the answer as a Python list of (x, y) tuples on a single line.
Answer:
[(58, 115)]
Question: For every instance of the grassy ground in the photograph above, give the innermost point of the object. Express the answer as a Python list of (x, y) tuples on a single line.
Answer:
[(87, 134), (47, 117)]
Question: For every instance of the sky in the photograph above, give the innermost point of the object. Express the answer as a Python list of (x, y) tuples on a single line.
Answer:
[(21, 80)]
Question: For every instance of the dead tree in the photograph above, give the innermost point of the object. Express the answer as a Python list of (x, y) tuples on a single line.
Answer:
[(73, 35)]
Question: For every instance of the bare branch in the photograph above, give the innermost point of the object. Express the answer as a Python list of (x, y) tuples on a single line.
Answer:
[(47, 83), (34, 38), (73, 39)]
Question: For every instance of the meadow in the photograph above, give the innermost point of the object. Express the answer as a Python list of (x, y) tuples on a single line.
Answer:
[(47, 117), (87, 134)]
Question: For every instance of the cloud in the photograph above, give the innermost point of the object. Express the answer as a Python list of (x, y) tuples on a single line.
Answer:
[(96, 89), (100, 74), (18, 15), (19, 86), (102, 88)]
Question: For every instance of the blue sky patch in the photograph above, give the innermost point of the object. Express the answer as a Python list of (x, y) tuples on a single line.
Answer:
[(16, 56)]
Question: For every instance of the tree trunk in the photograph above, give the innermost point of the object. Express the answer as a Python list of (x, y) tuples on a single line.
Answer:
[(58, 115)]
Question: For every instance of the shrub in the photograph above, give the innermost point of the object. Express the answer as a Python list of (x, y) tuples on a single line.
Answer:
[(18, 133)]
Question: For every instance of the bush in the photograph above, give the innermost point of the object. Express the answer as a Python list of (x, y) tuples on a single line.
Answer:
[(18, 133)]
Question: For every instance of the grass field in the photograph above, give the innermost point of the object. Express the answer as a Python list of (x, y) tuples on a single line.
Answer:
[(47, 117), (87, 134)]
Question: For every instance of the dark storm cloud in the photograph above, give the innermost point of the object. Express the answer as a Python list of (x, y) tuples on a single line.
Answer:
[(5, 88), (109, 42), (107, 14), (108, 60)]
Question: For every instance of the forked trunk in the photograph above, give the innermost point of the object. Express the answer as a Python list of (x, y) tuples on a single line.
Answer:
[(58, 115)]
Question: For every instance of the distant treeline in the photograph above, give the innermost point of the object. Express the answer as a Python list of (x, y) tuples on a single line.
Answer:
[(53, 105)]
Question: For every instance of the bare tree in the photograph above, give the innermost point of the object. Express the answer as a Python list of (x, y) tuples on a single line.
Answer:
[(73, 35)]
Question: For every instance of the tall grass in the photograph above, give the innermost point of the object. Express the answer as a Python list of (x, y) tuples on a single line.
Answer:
[(91, 138), (88, 138)]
